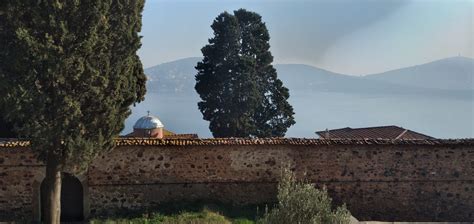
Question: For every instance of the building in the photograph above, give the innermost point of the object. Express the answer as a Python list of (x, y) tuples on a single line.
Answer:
[(383, 132), (151, 127)]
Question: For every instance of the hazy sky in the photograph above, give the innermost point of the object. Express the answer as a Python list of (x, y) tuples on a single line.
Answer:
[(347, 36)]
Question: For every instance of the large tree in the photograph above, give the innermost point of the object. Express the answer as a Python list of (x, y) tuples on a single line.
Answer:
[(240, 91), (69, 73), (6, 129)]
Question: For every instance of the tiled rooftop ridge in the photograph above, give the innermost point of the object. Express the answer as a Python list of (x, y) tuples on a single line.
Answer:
[(8, 143), (388, 132)]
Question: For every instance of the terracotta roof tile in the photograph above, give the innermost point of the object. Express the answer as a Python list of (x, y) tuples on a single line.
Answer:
[(262, 141), (181, 136), (383, 132)]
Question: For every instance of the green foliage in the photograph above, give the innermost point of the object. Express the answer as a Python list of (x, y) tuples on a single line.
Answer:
[(240, 91), (242, 221), (69, 73), (302, 203), (6, 129), (236, 214), (203, 217)]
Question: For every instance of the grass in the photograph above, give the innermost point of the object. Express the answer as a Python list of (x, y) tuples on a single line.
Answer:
[(192, 212), (205, 216)]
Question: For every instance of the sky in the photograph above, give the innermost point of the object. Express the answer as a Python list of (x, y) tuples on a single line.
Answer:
[(345, 36)]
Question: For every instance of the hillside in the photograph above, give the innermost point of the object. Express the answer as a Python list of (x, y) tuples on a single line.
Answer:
[(454, 73), (173, 77), (305, 79), (451, 78)]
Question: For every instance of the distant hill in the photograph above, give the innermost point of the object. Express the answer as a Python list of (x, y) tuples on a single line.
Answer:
[(173, 77), (305, 79), (456, 73), (450, 77)]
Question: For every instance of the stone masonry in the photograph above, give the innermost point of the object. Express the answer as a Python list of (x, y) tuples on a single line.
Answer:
[(421, 180)]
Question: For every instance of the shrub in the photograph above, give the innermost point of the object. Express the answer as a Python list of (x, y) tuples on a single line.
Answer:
[(301, 203), (203, 217), (242, 221)]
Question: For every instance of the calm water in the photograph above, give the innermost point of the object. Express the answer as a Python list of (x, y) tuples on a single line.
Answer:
[(438, 117)]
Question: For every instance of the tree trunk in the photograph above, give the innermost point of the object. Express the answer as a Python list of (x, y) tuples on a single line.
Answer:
[(52, 210)]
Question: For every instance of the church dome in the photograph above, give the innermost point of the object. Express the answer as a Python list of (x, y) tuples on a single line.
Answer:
[(148, 122)]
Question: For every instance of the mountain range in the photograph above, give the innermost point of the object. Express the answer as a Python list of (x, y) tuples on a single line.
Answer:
[(343, 100), (451, 77)]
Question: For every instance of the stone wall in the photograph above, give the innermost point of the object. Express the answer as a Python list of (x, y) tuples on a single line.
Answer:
[(20, 175), (378, 180)]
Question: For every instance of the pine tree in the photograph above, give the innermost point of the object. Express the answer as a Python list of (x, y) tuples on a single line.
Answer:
[(69, 73), (240, 91)]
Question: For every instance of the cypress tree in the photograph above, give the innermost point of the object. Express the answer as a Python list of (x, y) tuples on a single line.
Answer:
[(225, 81), (240, 91), (6, 129), (69, 73)]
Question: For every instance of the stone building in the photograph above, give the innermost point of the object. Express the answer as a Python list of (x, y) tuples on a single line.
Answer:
[(151, 127)]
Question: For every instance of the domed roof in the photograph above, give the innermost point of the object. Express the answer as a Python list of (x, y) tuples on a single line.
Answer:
[(148, 122)]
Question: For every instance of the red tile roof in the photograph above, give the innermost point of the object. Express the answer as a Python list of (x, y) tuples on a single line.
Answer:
[(181, 136), (11, 143), (383, 132)]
